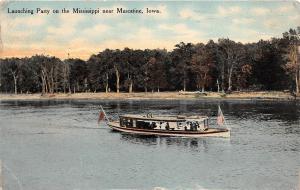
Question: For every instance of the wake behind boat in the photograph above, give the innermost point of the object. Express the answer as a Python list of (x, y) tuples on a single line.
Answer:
[(167, 125)]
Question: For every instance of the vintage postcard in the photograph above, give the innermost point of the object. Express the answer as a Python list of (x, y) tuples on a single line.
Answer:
[(149, 95)]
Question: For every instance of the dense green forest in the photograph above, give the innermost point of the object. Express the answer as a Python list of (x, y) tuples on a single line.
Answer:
[(224, 65)]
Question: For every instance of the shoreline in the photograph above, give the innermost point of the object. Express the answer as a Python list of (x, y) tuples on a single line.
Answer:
[(261, 95)]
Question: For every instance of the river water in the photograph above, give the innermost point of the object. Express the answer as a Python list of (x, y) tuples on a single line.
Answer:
[(49, 145)]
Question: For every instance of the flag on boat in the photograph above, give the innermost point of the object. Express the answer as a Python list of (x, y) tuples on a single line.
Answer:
[(220, 118), (101, 116)]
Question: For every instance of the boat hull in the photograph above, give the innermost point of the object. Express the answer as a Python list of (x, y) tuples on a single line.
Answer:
[(212, 132)]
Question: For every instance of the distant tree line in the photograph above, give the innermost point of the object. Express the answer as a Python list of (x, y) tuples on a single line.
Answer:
[(224, 65)]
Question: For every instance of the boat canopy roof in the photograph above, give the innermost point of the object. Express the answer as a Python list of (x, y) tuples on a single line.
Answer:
[(166, 118)]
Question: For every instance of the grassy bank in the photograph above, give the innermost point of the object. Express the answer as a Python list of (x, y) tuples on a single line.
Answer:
[(267, 95)]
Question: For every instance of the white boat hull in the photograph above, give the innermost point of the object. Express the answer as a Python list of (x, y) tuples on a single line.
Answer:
[(212, 132)]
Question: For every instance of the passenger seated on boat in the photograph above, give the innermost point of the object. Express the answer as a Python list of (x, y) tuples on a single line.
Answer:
[(162, 125), (167, 126), (153, 125), (179, 124), (193, 126)]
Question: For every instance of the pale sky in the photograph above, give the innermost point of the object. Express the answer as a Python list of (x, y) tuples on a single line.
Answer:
[(190, 21)]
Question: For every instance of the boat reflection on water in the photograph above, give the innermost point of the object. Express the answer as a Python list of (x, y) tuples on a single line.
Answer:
[(194, 144), (138, 139)]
